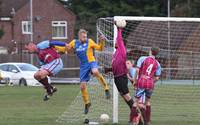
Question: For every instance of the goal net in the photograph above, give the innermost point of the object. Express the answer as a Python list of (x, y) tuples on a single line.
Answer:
[(176, 96), (178, 87)]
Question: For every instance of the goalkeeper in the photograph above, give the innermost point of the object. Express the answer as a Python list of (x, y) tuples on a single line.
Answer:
[(84, 50), (119, 70)]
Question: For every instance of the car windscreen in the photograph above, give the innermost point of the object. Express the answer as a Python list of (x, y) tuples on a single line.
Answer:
[(27, 67)]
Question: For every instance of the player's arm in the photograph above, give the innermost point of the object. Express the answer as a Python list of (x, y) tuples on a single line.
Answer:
[(99, 46), (156, 79), (129, 77), (139, 64), (136, 76), (131, 80), (62, 47), (158, 73), (70, 46), (44, 44), (59, 46), (57, 43), (120, 43)]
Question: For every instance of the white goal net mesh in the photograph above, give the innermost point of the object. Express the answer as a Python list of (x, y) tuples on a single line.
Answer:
[(178, 40)]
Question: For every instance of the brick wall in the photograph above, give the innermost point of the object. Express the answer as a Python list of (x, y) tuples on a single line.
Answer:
[(48, 11)]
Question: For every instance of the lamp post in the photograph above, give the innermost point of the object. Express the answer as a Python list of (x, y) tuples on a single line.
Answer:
[(31, 26), (168, 37)]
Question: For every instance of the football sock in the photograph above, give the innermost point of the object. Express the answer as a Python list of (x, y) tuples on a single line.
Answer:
[(148, 113), (46, 85), (133, 113), (143, 111), (85, 96), (130, 103), (102, 81)]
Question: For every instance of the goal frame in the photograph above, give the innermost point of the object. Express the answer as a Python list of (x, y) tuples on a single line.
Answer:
[(139, 18)]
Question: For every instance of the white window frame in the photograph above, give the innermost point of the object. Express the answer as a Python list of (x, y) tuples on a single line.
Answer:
[(25, 30), (59, 24)]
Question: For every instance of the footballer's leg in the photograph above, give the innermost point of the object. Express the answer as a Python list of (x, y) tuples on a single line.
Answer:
[(148, 112), (102, 81), (128, 99), (134, 117), (84, 78), (41, 76), (142, 109), (54, 68), (122, 86), (148, 107), (85, 96), (48, 70), (134, 111)]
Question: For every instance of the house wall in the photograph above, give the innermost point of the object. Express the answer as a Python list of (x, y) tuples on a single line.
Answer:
[(43, 28), (48, 11)]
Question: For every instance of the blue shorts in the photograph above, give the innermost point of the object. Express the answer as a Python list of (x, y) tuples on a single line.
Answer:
[(53, 67), (85, 71), (140, 92)]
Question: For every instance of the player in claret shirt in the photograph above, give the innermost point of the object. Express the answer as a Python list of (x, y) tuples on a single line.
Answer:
[(50, 62), (148, 72)]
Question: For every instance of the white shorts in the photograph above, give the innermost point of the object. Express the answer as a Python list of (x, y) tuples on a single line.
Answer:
[(53, 67)]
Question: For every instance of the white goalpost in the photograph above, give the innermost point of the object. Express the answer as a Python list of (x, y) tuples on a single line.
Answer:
[(179, 86), (115, 92)]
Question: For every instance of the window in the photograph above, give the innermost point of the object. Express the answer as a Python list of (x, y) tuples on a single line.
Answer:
[(4, 67), (26, 27), (59, 30), (27, 67), (11, 68)]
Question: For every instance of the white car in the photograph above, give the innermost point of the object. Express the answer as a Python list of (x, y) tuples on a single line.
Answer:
[(20, 73)]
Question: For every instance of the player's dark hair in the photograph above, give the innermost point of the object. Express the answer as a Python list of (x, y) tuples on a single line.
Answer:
[(155, 51)]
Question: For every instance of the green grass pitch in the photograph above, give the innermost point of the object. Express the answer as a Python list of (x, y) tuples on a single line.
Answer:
[(171, 105)]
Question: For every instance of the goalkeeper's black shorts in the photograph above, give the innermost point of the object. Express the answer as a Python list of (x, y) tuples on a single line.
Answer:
[(122, 84)]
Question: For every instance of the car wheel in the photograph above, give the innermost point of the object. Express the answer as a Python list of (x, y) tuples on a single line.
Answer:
[(22, 82), (8, 82)]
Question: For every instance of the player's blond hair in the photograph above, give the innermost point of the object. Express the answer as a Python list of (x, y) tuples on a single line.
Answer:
[(82, 31)]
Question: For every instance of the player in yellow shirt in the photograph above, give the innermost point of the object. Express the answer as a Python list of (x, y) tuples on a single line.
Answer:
[(84, 50)]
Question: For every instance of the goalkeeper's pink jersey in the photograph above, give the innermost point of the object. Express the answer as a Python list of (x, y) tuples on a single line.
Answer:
[(148, 68), (119, 57)]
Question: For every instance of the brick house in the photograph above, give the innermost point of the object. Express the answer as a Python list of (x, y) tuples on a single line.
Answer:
[(50, 21)]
